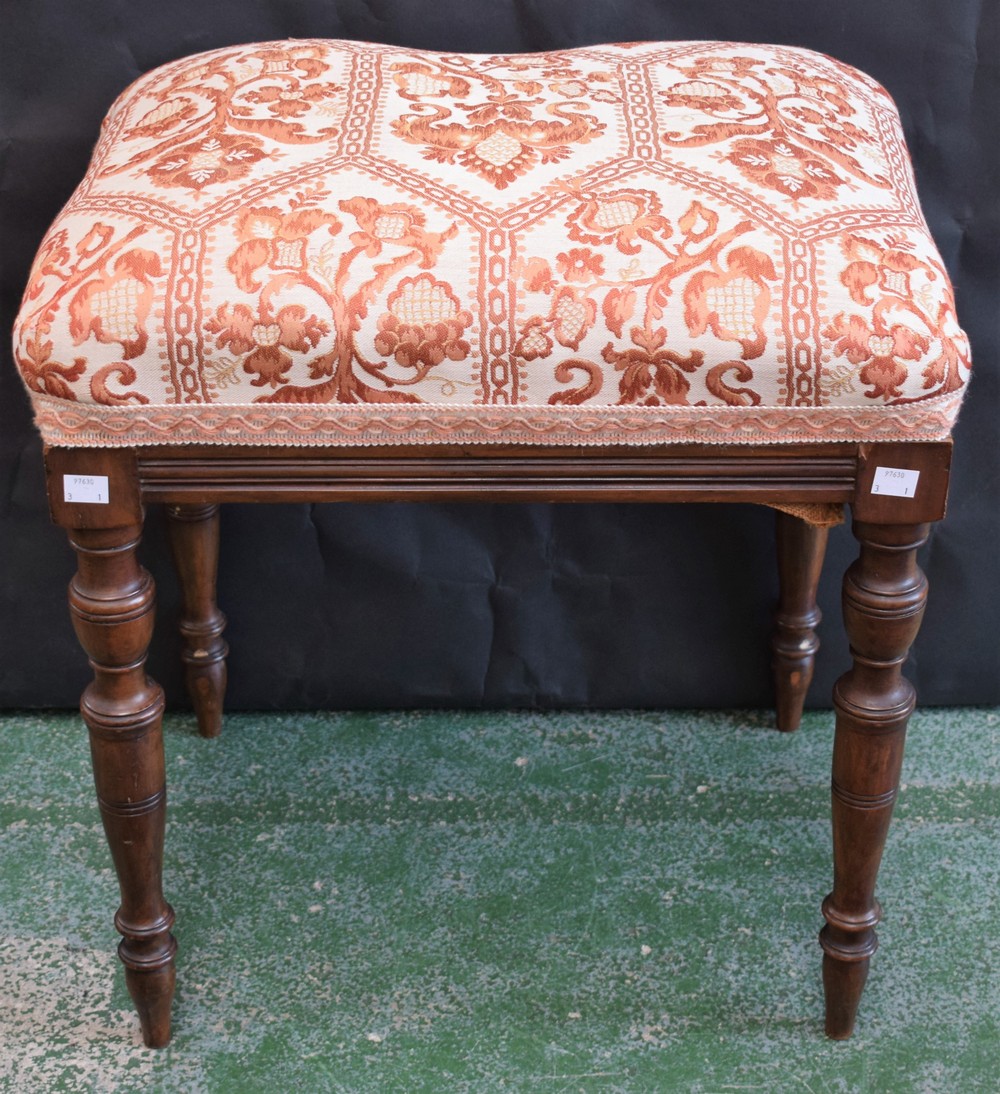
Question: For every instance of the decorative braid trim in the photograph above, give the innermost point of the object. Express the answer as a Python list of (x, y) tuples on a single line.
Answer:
[(87, 426)]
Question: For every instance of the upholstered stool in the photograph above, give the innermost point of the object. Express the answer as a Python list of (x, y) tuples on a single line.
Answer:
[(315, 270)]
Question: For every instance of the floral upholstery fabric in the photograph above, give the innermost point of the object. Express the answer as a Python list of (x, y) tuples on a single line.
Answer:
[(326, 242)]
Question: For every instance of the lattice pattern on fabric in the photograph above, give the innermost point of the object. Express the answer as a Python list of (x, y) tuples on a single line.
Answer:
[(325, 242)]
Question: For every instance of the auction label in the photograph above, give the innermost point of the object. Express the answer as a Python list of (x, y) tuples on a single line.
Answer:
[(86, 489), (896, 481)]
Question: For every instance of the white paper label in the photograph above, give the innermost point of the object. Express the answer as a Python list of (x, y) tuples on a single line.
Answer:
[(86, 489), (896, 481)]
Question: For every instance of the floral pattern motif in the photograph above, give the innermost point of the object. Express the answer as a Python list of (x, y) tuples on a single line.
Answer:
[(267, 337), (797, 128), (899, 329), (734, 303), (205, 162), (423, 326), (194, 148), (275, 240), (687, 240), (510, 123), (104, 299), (293, 98), (782, 166), (622, 217)]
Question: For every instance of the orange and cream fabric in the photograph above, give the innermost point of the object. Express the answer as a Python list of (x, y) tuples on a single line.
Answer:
[(328, 242)]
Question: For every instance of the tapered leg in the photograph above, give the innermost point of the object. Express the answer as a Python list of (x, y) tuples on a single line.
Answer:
[(801, 547), (884, 597), (111, 600), (194, 541)]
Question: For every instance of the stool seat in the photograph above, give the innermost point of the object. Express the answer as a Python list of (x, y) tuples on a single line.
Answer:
[(337, 243)]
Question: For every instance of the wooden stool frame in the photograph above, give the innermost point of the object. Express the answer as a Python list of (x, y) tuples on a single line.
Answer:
[(112, 605)]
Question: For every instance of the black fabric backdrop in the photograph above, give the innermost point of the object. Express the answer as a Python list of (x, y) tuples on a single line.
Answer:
[(466, 605)]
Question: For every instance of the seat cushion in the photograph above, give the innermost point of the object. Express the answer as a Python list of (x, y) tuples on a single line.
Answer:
[(329, 242)]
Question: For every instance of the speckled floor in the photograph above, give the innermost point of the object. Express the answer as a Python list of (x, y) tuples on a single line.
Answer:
[(483, 902)]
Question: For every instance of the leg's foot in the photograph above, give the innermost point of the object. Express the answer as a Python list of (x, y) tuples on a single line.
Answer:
[(843, 983), (801, 547), (194, 541), (152, 993), (884, 597)]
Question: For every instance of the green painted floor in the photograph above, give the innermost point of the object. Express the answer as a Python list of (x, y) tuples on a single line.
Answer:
[(493, 902)]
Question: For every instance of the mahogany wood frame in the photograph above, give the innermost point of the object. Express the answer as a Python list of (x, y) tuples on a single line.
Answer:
[(112, 600)]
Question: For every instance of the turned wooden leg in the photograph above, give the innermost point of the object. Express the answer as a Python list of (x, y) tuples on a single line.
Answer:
[(884, 596), (111, 600), (801, 547), (194, 542)]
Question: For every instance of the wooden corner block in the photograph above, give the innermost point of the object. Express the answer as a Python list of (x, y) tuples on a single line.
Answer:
[(902, 483), (93, 487)]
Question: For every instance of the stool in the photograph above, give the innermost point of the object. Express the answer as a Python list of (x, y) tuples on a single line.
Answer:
[(333, 271)]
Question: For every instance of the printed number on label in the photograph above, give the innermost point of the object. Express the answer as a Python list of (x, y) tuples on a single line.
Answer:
[(898, 482), (86, 489)]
